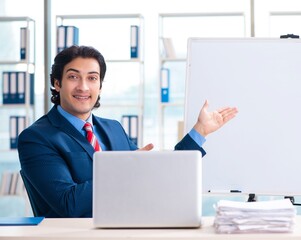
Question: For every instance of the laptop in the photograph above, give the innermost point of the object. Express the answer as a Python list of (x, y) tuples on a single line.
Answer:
[(147, 189)]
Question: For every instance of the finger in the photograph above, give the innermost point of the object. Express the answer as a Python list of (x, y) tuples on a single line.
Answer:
[(147, 147), (229, 114), (206, 105), (228, 118), (227, 110)]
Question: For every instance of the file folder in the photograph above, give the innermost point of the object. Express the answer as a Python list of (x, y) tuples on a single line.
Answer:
[(165, 75), (16, 124), (23, 43), (21, 87), (5, 91), (13, 127), (67, 36), (5, 182), (169, 49), (13, 87), (20, 221), (71, 36), (60, 38), (134, 41), (130, 125), (30, 78), (134, 128)]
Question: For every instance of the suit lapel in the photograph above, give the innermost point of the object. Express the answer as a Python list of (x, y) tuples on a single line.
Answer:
[(115, 138), (64, 125)]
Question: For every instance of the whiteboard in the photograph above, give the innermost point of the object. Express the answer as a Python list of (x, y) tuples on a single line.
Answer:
[(259, 151)]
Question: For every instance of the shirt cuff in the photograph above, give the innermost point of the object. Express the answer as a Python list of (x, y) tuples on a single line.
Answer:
[(198, 138)]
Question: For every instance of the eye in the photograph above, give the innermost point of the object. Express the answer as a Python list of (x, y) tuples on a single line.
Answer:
[(72, 76), (93, 78)]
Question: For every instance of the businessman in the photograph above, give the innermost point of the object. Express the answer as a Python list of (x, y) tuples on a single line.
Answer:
[(54, 152)]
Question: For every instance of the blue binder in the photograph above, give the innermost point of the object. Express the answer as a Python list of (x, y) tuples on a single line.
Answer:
[(16, 125), (134, 41), (20, 221), (130, 125), (71, 35), (67, 36), (21, 82), (165, 75), (13, 81), (14, 87), (31, 85), (23, 43), (5, 88)]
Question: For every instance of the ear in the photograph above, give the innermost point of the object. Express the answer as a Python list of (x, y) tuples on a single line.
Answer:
[(57, 85)]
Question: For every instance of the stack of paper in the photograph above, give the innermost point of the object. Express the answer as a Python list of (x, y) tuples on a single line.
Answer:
[(254, 217)]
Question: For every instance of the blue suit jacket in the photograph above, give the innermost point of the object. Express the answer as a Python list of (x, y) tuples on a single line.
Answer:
[(56, 159)]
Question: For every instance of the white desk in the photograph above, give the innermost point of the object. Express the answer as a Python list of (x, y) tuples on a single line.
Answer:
[(57, 229)]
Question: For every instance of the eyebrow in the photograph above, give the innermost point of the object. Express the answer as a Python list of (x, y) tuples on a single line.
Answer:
[(75, 70)]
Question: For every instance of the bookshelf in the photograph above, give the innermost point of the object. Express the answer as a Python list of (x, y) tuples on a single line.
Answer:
[(17, 69), (177, 28), (123, 87)]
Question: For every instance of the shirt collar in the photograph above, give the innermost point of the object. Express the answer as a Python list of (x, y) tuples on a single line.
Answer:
[(75, 121)]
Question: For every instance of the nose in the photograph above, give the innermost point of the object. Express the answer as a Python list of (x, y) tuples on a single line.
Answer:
[(83, 85)]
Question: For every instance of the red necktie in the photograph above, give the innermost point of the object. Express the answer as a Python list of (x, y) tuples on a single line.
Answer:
[(91, 137)]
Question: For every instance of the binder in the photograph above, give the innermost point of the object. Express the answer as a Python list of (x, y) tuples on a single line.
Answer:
[(125, 121), (13, 87), (71, 36), (30, 78), (16, 125), (23, 43), (21, 87), (67, 36), (21, 124), (5, 91), (165, 75), (169, 48), (20, 188), (13, 130), (134, 41), (60, 38), (5, 183), (130, 125), (13, 184), (134, 128)]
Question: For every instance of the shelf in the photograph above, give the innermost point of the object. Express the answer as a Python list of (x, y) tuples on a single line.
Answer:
[(15, 62), (15, 105), (173, 59), (15, 19), (205, 14), (98, 16), (171, 104)]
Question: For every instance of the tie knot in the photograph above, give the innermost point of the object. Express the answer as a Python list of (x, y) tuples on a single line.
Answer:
[(88, 127)]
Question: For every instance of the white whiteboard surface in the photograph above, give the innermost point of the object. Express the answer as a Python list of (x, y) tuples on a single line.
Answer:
[(259, 151)]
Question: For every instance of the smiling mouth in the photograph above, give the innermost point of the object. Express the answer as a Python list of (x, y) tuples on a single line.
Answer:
[(81, 97)]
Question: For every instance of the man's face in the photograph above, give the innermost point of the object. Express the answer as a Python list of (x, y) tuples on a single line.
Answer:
[(80, 86)]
